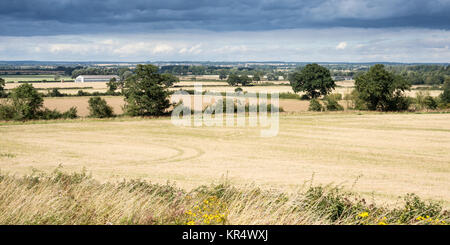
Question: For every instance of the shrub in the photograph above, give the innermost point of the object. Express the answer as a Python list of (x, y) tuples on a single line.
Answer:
[(289, 96), (314, 105), (356, 101), (335, 96), (430, 103), (48, 114), (7, 112), (423, 100), (55, 93), (415, 207), (332, 104), (99, 108), (332, 203), (82, 93), (71, 113)]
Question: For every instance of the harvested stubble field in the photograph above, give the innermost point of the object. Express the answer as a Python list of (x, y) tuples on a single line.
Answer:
[(379, 155), (117, 102), (344, 87)]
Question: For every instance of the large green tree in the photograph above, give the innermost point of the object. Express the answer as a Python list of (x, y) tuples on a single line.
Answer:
[(27, 101), (314, 79), (145, 92), (382, 90)]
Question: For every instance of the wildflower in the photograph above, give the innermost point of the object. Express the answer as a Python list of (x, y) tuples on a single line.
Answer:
[(191, 222), (383, 221), (363, 215)]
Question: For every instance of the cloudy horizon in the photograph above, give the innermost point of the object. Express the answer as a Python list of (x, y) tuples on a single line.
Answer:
[(175, 30)]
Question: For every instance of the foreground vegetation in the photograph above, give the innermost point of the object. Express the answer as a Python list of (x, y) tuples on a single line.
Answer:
[(61, 198)]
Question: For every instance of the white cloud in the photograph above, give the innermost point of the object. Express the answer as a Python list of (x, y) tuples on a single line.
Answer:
[(341, 46), (196, 49), (309, 45), (162, 48)]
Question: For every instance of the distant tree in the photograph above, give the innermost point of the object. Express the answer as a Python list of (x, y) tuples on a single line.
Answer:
[(112, 85), (245, 80), (55, 93), (169, 80), (2, 86), (26, 101), (145, 92), (272, 77), (234, 80), (314, 79), (445, 96), (99, 108), (222, 75), (57, 77), (256, 78), (382, 90)]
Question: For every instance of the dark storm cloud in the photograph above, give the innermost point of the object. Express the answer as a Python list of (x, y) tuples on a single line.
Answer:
[(50, 17)]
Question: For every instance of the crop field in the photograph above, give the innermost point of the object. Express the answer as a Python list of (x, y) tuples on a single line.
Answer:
[(343, 87), (379, 155), (117, 102), (16, 78)]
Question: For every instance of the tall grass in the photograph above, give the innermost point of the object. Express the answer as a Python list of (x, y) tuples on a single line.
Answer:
[(76, 198)]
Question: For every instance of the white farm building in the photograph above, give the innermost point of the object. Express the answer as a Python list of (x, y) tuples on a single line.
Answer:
[(95, 78)]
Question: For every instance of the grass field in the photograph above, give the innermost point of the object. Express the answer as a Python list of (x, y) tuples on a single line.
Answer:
[(16, 78), (375, 154)]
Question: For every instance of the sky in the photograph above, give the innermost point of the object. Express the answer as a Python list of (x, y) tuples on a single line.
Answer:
[(226, 30)]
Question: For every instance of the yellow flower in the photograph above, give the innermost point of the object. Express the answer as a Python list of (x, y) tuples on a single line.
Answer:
[(191, 222), (363, 214), (383, 221)]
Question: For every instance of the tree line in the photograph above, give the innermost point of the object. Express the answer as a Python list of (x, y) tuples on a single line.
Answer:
[(376, 89), (146, 93)]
